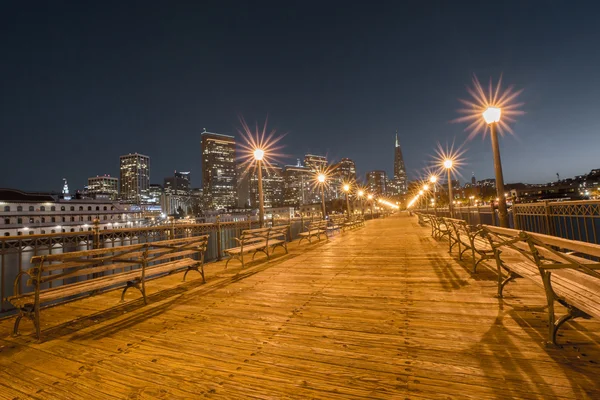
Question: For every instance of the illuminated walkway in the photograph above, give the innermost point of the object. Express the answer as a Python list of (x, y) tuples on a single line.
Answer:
[(380, 312)]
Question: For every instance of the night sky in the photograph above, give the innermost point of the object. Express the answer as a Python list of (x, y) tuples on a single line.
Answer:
[(83, 82)]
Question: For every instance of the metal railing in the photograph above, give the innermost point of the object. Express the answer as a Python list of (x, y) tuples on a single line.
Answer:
[(17, 251), (575, 220)]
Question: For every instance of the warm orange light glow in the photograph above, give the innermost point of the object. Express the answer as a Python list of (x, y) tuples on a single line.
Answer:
[(448, 164), (425, 187), (433, 179), (420, 193), (484, 108), (258, 145), (361, 193), (346, 188), (321, 178), (370, 197)]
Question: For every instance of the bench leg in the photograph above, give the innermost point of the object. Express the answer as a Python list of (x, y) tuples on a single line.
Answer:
[(198, 268), (134, 284), (501, 283), (553, 324)]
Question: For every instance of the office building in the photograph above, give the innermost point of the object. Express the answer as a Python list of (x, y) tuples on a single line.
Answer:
[(219, 177), (103, 187), (376, 182), (297, 185), (135, 177), (178, 184)]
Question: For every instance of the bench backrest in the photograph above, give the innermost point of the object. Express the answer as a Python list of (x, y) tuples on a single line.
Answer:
[(279, 232), (48, 268), (316, 225), (249, 234)]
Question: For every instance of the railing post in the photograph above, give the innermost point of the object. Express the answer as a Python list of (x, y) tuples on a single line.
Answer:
[(219, 239), (515, 216), (493, 214), (548, 218), (96, 237)]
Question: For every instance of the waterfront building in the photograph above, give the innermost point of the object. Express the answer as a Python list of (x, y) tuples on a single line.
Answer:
[(135, 177), (23, 213)]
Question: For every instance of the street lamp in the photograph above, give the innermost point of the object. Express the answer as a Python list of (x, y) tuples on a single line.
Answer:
[(360, 195), (321, 178), (259, 154), (492, 115), (346, 189), (495, 110), (370, 197), (433, 180), (448, 165)]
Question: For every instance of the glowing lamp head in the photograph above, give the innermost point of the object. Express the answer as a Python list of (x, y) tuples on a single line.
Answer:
[(370, 197), (420, 192), (425, 187), (361, 193), (433, 179), (259, 154), (447, 163), (346, 188), (321, 178), (492, 114)]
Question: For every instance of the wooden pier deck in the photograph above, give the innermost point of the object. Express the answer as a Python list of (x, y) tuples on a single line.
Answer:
[(383, 312)]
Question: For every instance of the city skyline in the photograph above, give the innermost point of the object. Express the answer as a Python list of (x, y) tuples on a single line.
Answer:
[(88, 95)]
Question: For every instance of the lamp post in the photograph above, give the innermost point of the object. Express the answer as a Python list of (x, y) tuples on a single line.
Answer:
[(370, 197), (360, 195), (321, 179), (433, 180), (425, 189), (448, 165), (259, 154), (346, 189), (492, 116)]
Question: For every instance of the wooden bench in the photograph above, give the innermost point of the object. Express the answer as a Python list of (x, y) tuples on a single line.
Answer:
[(263, 240), (353, 222), (57, 277), (439, 228), (469, 237), (314, 229), (567, 270), (423, 219), (336, 223)]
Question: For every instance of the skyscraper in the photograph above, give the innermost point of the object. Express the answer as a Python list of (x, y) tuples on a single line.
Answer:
[(346, 169), (297, 180), (178, 184), (219, 178), (273, 186), (135, 176), (376, 182), (314, 162), (399, 170)]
